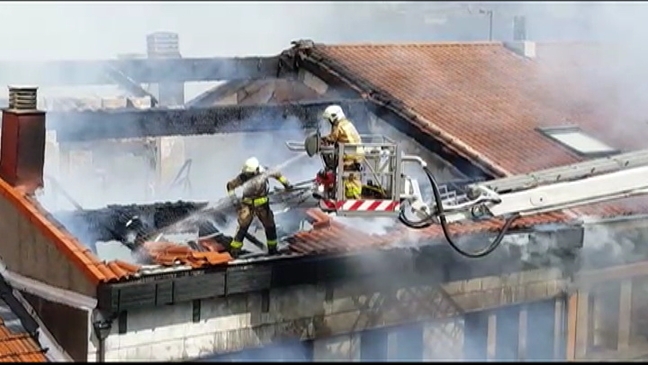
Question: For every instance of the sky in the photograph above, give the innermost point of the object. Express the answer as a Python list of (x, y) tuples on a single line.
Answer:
[(99, 30)]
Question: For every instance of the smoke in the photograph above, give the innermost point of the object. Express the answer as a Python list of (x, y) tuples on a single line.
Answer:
[(615, 82)]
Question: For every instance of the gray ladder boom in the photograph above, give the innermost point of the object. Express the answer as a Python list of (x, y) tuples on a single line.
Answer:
[(575, 171)]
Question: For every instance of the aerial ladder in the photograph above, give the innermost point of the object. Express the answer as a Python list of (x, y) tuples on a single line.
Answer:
[(387, 191)]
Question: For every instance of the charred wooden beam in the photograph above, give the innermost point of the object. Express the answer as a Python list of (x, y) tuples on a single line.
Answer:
[(141, 70), (78, 126), (130, 85)]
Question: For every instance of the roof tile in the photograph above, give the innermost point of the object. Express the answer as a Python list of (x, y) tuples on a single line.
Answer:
[(338, 237), (485, 102), (481, 94), (167, 253), (479, 99), (19, 347)]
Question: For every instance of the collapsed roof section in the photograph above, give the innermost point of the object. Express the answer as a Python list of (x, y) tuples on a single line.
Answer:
[(446, 92), (184, 236)]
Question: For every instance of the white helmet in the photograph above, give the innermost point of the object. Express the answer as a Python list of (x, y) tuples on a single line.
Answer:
[(333, 113), (251, 165)]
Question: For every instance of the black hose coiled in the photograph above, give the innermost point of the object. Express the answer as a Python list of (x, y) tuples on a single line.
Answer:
[(444, 224)]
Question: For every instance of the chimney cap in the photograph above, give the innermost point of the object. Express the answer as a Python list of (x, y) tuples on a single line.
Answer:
[(23, 98), (27, 87)]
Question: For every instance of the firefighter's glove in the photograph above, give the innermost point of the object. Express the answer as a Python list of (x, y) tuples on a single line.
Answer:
[(288, 186), (233, 198)]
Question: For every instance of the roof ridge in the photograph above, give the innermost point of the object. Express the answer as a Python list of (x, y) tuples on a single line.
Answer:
[(414, 44)]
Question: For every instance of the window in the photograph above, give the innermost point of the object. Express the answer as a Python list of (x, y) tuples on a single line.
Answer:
[(578, 141)]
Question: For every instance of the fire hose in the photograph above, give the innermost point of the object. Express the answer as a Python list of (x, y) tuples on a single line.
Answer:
[(429, 220)]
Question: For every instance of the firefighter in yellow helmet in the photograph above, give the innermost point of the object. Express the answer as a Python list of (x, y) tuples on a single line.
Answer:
[(254, 201), (343, 131)]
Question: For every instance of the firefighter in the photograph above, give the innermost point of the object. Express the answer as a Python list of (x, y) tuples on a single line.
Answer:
[(343, 131), (254, 202)]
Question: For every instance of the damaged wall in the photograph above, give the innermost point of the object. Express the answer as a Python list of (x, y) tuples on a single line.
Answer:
[(123, 171), (149, 165), (220, 325), (611, 311)]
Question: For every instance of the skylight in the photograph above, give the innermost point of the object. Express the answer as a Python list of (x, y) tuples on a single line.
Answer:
[(578, 141)]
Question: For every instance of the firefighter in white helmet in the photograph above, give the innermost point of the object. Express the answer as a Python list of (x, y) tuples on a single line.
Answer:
[(343, 131), (254, 179)]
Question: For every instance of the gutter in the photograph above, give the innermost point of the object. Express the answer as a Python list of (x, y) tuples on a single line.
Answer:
[(615, 219), (47, 292)]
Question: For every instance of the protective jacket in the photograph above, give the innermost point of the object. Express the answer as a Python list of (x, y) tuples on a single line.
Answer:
[(343, 131), (255, 186)]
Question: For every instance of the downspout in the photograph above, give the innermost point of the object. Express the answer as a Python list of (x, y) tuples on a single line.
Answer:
[(102, 328)]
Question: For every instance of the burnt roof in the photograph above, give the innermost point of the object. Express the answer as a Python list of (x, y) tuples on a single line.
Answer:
[(463, 95)]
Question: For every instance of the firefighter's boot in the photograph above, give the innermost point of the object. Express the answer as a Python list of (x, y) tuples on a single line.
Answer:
[(235, 248), (272, 248)]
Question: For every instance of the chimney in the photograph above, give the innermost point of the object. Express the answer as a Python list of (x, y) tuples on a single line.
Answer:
[(519, 28), (22, 142), (166, 45), (523, 48)]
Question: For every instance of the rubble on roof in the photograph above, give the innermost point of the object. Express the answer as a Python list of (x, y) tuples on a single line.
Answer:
[(479, 100)]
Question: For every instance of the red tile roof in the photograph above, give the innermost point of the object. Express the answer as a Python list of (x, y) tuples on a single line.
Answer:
[(19, 347), (477, 96), (328, 235), (95, 269), (479, 99), (484, 102)]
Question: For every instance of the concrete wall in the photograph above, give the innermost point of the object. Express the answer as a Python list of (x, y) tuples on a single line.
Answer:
[(68, 326), (27, 251), (238, 322), (126, 171), (529, 331)]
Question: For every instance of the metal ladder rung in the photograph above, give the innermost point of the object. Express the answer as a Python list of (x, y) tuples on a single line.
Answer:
[(569, 172)]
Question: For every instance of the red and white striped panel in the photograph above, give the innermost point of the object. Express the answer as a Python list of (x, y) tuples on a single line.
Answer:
[(368, 205), (328, 204)]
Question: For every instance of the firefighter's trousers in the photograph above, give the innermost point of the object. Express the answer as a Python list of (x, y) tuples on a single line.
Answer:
[(260, 208)]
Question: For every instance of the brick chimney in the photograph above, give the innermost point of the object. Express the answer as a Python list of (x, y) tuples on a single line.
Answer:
[(22, 143)]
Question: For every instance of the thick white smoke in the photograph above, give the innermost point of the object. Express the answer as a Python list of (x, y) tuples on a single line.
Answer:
[(51, 31)]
